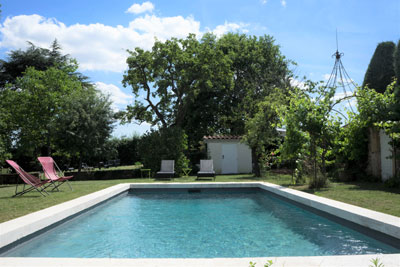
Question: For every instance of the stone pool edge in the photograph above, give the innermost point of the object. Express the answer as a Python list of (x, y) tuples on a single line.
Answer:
[(13, 230)]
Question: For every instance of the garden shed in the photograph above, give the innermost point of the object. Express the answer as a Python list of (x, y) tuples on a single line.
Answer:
[(229, 155)]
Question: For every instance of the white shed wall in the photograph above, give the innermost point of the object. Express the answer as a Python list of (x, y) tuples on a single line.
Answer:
[(244, 162), (244, 158)]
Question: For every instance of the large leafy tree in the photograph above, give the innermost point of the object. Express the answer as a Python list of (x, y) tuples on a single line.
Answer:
[(39, 58), (258, 69), (170, 76), (84, 124), (171, 79), (380, 72), (36, 106)]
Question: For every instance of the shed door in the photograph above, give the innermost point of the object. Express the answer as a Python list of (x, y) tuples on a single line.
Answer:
[(229, 158)]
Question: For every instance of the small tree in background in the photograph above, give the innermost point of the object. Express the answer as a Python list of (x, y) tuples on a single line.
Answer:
[(309, 115), (380, 70), (261, 133), (164, 144), (85, 123)]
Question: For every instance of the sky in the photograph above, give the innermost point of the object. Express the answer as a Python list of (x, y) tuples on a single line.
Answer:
[(98, 33)]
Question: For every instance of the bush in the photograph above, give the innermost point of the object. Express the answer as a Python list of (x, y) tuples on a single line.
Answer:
[(164, 144), (393, 182)]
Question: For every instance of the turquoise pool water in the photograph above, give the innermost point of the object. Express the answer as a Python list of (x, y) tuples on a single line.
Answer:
[(200, 225)]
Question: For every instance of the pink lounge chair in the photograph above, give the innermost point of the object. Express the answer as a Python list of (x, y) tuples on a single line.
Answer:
[(50, 169), (29, 179)]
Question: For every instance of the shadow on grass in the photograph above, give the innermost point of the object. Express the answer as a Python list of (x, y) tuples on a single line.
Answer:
[(19, 197), (372, 187), (5, 186)]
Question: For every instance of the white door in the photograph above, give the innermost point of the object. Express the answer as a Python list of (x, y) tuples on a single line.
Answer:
[(229, 158)]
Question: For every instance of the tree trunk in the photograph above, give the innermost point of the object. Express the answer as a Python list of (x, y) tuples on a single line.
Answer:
[(80, 162), (256, 159)]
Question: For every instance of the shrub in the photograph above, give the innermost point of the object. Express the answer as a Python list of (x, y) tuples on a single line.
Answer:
[(164, 144)]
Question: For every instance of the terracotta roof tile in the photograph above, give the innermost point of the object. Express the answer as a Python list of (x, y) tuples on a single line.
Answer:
[(222, 137)]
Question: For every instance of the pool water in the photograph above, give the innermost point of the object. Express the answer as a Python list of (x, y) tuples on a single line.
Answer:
[(199, 225)]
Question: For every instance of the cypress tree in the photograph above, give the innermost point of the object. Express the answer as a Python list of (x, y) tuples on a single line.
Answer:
[(380, 70), (396, 62)]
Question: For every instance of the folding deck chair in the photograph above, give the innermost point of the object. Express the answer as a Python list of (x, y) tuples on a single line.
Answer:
[(29, 179), (206, 169), (167, 170), (50, 169)]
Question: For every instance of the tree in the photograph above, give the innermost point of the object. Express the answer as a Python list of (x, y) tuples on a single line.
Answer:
[(35, 107), (259, 69), (166, 143), (39, 58), (309, 111), (261, 133), (84, 123), (5, 133), (380, 70), (396, 62), (171, 75)]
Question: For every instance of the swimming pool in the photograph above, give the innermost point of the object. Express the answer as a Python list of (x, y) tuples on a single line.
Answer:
[(205, 224), (198, 224)]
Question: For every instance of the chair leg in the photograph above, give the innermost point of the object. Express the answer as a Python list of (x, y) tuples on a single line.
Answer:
[(70, 187)]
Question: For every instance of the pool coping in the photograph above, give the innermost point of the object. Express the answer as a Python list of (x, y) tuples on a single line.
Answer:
[(16, 229)]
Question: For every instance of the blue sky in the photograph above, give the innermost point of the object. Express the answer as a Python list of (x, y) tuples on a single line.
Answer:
[(97, 32)]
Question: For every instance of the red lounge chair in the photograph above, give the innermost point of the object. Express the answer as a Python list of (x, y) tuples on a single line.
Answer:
[(50, 171), (29, 179)]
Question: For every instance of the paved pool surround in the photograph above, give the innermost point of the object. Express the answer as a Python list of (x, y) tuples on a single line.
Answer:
[(21, 228)]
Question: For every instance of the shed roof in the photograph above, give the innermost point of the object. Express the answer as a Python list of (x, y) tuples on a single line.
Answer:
[(222, 137)]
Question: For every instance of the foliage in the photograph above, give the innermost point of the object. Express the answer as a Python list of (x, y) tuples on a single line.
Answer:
[(124, 148), (267, 264), (204, 86), (376, 263), (258, 69), (309, 118), (351, 151), (261, 133), (84, 123), (170, 76), (5, 131), (35, 107), (380, 70), (164, 144), (374, 110), (396, 62), (40, 59), (260, 74)]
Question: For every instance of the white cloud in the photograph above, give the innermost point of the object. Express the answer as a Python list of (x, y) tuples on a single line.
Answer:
[(98, 46), (117, 96), (95, 46), (326, 76), (137, 8), (341, 95), (229, 27), (166, 27), (283, 2), (297, 83)]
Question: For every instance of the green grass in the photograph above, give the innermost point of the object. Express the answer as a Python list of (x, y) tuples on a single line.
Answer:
[(368, 195)]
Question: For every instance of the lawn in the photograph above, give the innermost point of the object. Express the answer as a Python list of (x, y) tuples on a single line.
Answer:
[(368, 195)]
